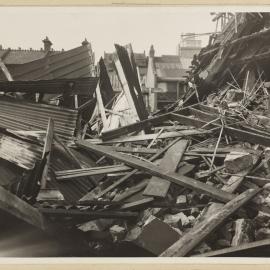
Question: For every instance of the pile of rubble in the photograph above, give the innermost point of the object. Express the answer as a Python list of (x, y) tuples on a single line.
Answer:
[(107, 179)]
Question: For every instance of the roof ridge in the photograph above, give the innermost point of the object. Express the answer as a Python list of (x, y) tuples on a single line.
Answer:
[(27, 50)]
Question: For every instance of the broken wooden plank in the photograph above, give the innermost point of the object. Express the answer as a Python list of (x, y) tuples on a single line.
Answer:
[(127, 87), (126, 177), (138, 126), (68, 174), (47, 151), (243, 232), (171, 134), (136, 78), (202, 229), (130, 85), (137, 205), (87, 214), (105, 86), (156, 171), (158, 187), (134, 150), (20, 209), (257, 248), (131, 191), (248, 136), (5, 70), (101, 107)]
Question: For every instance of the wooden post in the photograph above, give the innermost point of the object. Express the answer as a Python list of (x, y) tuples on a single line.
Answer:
[(201, 230), (159, 187), (5, 70), (20, 209), (46, 149), (101, 107)]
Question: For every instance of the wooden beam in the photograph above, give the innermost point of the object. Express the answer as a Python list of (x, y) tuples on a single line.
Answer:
[(101, 107), (257, 248), (158, 187), (131, 191), (137, 138), (47, 151), (138, 126), (244, 135), (67, 174), (87, 214), (136, 81), (105, 86), (20, 209), (132, 101), (135, 150), (127, 77), (185, 120), (202, 229), (249, 136), (5, 70), (156, 171), (126, 177), (137, 205)]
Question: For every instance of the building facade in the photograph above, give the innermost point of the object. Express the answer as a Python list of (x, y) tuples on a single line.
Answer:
[(189, 46), (165, 80)]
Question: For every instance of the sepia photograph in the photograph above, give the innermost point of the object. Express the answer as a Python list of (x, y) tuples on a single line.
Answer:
[(138, 131)]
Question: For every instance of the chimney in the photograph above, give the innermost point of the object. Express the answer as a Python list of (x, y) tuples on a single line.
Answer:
[(152, 51), (47, 44), (85, 42)]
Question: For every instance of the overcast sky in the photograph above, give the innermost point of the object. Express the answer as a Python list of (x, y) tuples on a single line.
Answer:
[(102, 26)]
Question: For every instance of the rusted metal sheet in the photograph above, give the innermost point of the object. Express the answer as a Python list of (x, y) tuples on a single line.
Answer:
[(33, 116)]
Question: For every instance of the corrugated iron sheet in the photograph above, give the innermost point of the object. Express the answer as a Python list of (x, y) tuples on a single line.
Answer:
[(74, 189), (19, 152), (76, 86), (34, 116)]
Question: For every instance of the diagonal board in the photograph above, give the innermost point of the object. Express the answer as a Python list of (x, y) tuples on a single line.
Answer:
[(129, 175), (159, 187), (159, 172), (201, 230), (21, 210), (128, 79), (47, 151), (5, 70)]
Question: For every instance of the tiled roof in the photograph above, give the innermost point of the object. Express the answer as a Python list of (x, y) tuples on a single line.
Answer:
[(169, 67), (75, 63), (16, 57)]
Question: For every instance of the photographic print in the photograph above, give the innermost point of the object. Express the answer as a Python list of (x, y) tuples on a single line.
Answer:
[(134, 132)]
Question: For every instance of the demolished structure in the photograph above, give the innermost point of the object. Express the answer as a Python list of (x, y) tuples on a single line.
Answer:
[(90, 168)]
